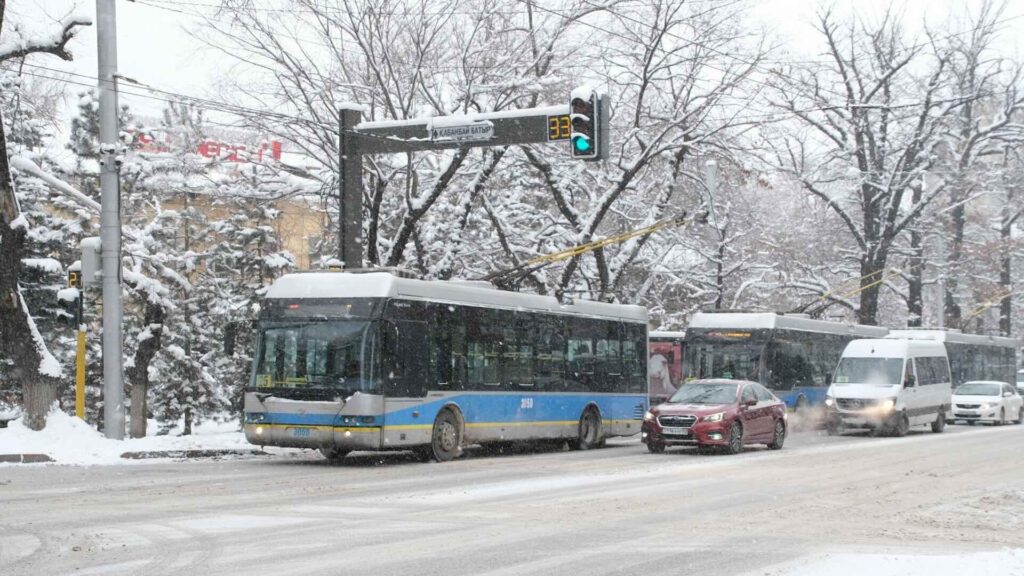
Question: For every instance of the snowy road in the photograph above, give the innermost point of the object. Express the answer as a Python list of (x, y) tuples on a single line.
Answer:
[(613, 511)]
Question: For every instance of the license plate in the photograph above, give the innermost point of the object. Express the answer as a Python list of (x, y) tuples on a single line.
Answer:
[(676, 431), (300, 432)]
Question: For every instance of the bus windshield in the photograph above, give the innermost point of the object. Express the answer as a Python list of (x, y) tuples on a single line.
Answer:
[(336, 354), (734, 361), (877, 371)]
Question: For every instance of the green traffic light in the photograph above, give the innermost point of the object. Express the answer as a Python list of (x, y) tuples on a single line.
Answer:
[(582, 144)]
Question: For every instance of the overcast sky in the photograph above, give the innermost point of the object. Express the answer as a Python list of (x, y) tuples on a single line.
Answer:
[(154, 48)]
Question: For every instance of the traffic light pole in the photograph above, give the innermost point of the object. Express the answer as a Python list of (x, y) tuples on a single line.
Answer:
[(527, 126)]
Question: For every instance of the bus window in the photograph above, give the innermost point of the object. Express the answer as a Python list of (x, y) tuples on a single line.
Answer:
[(725, 360)]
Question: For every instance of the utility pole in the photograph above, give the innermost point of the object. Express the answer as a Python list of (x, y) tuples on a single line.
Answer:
[(110, 221), (350, 201)]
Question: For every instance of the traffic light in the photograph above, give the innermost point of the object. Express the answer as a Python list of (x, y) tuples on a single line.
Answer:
[(588, 112), (583, 140)]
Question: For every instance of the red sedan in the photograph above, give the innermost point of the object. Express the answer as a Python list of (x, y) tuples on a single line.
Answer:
[(729, 414)]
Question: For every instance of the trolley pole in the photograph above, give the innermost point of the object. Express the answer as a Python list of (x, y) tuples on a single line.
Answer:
[(110, 221)]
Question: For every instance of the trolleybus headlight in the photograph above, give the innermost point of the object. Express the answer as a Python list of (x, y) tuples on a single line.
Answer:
[(259, 430), (716, 417), (648, 416)]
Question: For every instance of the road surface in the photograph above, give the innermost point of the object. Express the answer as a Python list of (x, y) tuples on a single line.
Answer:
[(612, 511)]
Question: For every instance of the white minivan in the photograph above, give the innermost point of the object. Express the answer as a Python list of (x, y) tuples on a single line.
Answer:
[(889, 385)]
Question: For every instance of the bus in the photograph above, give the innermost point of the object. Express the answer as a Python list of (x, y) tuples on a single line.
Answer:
[(665, 365), (377, 361), (971, 356), (792, 355)]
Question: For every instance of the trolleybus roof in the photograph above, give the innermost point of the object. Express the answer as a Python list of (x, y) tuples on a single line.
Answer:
[(384, 285), (772, 320), (954, 336)]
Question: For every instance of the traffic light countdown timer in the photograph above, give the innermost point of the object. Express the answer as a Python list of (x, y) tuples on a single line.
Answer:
[(585, 127)]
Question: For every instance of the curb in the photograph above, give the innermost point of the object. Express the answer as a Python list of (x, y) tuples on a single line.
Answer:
[(25, 458), (187, 454)]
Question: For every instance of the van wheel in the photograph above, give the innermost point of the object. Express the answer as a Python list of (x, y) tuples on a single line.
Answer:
[(446, 438), (833, 427), (940, 422), (589, 431), (902, 425)]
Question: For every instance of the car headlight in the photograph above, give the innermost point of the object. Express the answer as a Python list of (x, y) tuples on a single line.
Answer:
[(887, 405), (648, 416), (716, 417), (829, 401), (988, 406)]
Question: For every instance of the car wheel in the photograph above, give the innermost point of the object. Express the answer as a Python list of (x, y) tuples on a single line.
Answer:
[(334, 455), (902, 425), (1020, 416), (1002, 417), (589, 431), (940, 422), (655, 447), (735, 445), (446, 439), (778, 436)]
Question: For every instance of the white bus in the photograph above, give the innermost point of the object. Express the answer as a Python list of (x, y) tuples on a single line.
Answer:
[(374, 361)]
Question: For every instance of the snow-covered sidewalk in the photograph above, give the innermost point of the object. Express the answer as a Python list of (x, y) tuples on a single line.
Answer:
[(68, 440)]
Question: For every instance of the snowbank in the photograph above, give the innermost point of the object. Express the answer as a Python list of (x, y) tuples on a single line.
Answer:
[(1002, 562), (69, 440)]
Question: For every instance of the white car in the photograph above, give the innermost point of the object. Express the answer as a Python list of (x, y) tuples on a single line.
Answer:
[(987, 401)]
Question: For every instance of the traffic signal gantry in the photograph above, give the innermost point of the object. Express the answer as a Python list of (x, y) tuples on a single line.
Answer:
[(583, 123)]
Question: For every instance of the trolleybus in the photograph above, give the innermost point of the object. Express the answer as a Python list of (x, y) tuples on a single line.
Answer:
[(376, 361), (971, 356), (790, 354)]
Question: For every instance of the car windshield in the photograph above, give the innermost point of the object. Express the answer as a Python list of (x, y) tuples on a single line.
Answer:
[(705, 393), (877, 371), (978, 389), (332, 354)]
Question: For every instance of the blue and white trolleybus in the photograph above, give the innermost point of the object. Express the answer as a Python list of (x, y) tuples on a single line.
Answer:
[(375, 361)]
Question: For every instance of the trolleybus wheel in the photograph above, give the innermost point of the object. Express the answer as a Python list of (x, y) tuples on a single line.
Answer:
[(334, 455), (589, 435), (735, 445), (446, 439)]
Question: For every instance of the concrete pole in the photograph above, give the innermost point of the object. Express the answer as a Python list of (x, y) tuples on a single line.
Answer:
[(110, 221), (350, 217)]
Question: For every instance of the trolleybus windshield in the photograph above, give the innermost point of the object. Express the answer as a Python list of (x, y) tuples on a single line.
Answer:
[(334, 354)]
